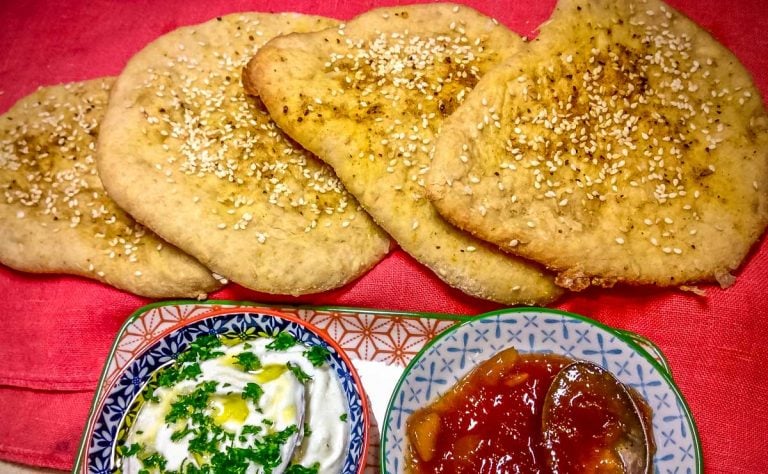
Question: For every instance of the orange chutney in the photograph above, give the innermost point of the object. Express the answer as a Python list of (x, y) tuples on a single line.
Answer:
[(491, 422)]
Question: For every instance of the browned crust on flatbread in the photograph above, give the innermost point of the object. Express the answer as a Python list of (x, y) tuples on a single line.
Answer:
[(368, 98), (55, 216), (195, 159), (680, 194)]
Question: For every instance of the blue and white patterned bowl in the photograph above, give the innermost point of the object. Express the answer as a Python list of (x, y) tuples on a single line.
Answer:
[(101, 437), (453, 353)]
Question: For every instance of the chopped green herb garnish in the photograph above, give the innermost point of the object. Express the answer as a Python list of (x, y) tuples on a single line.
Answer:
[(186, 366), (249, 429), (343, 417), (176, 373), (317, 355), (299, 469), (282, 341), (248, 361), (264, 452), (267, 450), (191, 419), (154, 460), (298, 372), (187, 405), (201, 349), (177, 435), (208, 436), (131, 450), (234, 460), (253, 391)]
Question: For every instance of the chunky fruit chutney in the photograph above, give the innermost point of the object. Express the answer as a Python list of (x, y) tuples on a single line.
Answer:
[(491, 422)]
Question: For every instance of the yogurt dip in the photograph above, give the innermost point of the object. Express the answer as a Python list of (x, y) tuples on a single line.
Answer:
[(265, 405)]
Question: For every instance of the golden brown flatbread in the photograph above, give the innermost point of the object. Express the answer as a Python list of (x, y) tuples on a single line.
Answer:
[(55, 216), (186, 151), (627, 145), (369, 97)]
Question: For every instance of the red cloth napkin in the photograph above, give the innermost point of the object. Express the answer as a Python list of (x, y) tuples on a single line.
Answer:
[(55, 331)]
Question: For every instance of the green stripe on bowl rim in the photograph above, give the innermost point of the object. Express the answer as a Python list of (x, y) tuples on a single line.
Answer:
[(233, 303), (625, 336)]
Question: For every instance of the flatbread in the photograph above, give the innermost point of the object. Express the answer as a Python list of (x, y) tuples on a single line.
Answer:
[(627, 145), (195, 159), (369, 97), (55, 216)]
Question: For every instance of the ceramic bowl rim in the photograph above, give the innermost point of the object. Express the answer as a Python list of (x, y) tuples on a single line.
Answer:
[(625, 336), (98, 402)]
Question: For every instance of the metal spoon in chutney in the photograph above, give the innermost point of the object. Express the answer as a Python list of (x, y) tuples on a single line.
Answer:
[(592, 423)]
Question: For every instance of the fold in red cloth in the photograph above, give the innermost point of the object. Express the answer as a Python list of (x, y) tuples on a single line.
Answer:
[(55, 331)]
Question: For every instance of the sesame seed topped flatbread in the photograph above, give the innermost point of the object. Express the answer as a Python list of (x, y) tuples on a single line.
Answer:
[(369, 97), (55, 216), (194, 158), (627, 145)]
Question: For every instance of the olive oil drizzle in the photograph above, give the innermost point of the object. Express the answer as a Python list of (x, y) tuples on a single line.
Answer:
[(260, 445)]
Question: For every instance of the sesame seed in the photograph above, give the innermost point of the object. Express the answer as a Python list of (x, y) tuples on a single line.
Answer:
[(64, 192), (231, 152), (620, 240), (219, 278)]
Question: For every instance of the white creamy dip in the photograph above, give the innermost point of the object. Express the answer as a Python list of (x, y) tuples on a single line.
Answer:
[(250, 403)]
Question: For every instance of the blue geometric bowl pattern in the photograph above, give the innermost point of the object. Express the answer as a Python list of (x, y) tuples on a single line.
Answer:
[(137, 373), (457, 350)]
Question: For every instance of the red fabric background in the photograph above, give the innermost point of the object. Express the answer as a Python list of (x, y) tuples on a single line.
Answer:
[(55, 331)]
